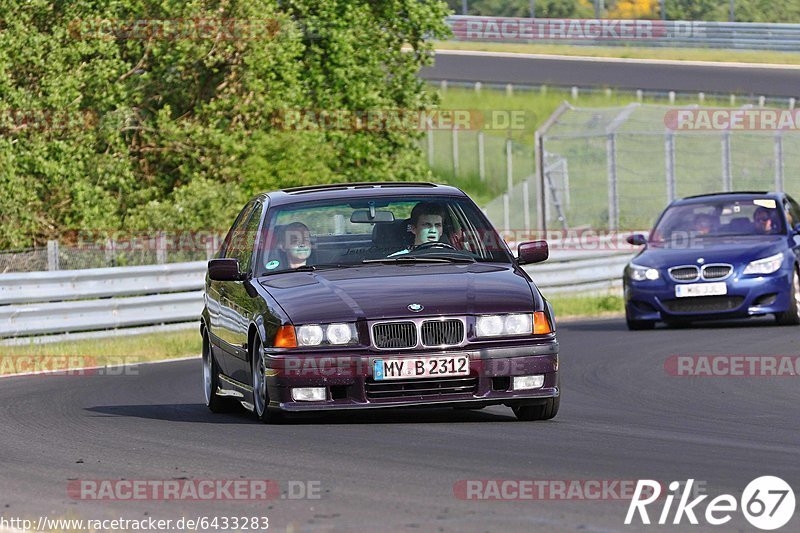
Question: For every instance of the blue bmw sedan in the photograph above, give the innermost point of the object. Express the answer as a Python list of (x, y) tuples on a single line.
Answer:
[(717, 256)]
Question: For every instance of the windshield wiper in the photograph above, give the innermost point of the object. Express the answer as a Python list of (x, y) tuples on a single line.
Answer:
[(411, 259), (311, 268)]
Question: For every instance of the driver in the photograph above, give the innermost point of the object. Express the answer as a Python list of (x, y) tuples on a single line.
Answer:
[(427, 221)]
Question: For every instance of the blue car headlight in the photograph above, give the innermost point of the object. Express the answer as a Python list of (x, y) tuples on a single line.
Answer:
[(642, 273), (768, 265)]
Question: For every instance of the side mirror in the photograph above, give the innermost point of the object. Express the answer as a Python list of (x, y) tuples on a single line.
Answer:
[(637, 239), (224, 270), (532, 252)]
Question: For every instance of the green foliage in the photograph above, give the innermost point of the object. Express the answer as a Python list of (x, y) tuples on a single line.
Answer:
[(141, 130), (521, 8)]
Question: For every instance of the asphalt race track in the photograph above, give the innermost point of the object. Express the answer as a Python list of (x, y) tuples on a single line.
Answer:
[(622, 418), (603, 72)]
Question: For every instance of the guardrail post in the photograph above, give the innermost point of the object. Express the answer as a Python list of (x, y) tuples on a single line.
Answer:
[(509, 90), (52, 255), (727, 179), (779, 161), (669, 160)]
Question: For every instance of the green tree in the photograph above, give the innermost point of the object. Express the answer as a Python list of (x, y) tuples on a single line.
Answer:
[(137, 129)]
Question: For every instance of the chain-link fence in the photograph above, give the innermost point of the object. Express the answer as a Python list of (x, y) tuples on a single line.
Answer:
[(113, 252), (625, 164)]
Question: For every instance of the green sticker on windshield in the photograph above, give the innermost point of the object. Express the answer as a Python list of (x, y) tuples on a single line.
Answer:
[(272, 265)]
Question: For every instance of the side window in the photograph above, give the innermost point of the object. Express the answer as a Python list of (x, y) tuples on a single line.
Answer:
[(793, 213), (242, 216), (244, 239)]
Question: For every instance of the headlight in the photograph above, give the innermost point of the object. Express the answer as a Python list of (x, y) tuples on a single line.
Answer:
[(309, 335), (335, 334), (340, 333), (509, 325), (768, 265), (642, 273)]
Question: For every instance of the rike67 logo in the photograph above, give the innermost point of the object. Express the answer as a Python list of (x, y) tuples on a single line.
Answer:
[(767, 502)]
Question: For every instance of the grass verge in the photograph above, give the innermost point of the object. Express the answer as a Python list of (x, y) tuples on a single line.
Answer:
[(100, 352), (567, 306), (630, 52)]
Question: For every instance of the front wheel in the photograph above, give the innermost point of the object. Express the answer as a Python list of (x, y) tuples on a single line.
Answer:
[(792, 316), (543, 411), (638, 325), (260, 393)]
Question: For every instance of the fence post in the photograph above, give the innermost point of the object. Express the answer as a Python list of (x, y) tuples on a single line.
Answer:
[(611, 157), (52, 255), (526, 204), (210, 249), (727, 180), (509, 166), (429, 134), (455, 151), (669, 160), (506, 214), (481, 156), (509, 90), (541, 204), (161, 248), (779, 161)]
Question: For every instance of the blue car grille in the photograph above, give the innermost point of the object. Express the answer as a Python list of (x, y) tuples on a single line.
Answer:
[(717, 271), (703, 304), (689, 273)]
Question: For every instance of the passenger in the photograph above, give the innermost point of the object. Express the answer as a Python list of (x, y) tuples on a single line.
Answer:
[(295, 243), (764, 221)]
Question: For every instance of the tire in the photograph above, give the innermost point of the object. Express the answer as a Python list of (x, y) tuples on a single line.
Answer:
[(544, 411), (216, 404), (792, 316), (638, 325), (260, 393)]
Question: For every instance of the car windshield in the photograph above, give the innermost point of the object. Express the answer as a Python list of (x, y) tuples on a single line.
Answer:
[(380, 230), (719, 218)]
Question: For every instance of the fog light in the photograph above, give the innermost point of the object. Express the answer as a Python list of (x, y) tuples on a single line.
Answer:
[(528, 382), (308, 394)]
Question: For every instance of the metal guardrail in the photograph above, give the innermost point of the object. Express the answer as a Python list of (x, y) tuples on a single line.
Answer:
[(640, 33), (40, 303)]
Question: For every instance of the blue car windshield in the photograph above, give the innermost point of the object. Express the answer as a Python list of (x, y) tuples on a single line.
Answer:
[(720, 218), (377, 230)]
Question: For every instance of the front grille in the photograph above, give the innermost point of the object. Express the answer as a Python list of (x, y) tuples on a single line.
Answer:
[(420, 388), (395, 335), (442, 332), (688, 273), (717, 271), (703, 304)]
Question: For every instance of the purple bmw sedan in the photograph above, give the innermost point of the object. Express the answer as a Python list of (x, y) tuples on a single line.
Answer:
[(372, 296)]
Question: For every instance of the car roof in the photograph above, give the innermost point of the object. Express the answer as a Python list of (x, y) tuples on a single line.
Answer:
[(738, 195), (360, 190)]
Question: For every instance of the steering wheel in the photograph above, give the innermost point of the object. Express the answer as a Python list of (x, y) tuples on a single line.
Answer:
[(433, 246)]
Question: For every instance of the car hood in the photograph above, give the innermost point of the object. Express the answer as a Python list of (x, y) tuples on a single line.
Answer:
[(378, 292), (733, 250)]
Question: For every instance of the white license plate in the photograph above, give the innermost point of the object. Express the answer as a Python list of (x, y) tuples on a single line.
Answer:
[(701, 289), (420, 367)]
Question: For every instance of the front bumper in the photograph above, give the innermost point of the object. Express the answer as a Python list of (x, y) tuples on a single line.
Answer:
[(349, 383), (746, 296)]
